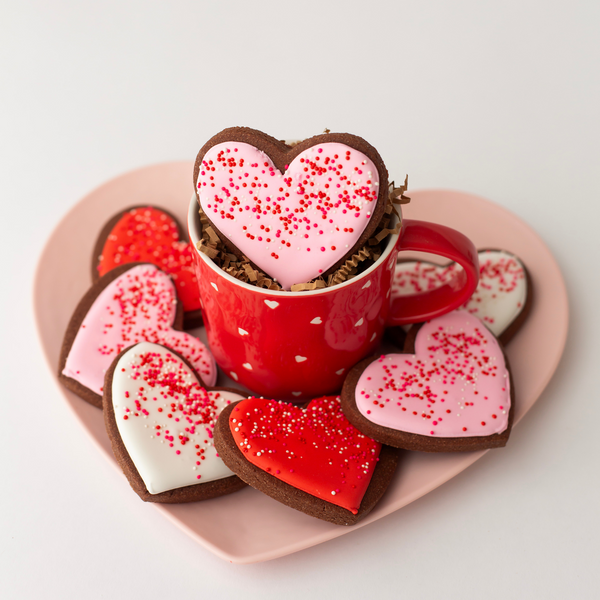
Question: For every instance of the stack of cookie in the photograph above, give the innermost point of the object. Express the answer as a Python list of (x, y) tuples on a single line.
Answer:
[(292, 221)]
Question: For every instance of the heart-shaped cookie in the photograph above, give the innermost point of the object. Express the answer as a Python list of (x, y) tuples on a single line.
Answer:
[(160, 421), (150, 234), (311, 459), (296, 213), (130, 304), (503, 296), (450, 391)]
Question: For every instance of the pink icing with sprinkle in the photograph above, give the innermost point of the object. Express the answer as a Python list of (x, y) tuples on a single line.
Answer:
[(294, 225), (455, 385), (137, 306)]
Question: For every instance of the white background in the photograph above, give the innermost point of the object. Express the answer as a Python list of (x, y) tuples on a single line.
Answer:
[(500, 99)]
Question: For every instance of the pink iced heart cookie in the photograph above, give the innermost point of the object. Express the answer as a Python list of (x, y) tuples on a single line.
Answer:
[(130, 304), (502, 299), (450, 391), (160, 421), (295, 213)]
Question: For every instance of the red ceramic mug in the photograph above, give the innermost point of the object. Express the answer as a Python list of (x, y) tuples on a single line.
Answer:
[(300, 345)]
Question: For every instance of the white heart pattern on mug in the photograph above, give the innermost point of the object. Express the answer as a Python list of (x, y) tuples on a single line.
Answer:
[(293, 225)]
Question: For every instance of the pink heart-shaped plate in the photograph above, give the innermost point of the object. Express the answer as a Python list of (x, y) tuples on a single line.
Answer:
[(248, 526)]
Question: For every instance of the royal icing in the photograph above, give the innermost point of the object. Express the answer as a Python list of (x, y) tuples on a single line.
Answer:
[(166, 418), (498, 299), (315, 449), (295, 225), (455, 385), (137, 306), (150, 235)]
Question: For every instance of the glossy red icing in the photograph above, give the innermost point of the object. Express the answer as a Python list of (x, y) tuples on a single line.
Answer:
[(150, 235), (315, 449)]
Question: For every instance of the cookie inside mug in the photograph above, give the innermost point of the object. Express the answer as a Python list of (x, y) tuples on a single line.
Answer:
[(293, 216)]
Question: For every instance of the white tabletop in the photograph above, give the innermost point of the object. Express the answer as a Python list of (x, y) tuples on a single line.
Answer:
[(498, 99)]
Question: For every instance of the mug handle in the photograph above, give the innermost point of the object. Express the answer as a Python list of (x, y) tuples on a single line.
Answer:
[(422, 236)]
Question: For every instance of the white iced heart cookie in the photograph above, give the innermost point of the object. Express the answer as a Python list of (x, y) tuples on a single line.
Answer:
[(160, 420), (501, 300)]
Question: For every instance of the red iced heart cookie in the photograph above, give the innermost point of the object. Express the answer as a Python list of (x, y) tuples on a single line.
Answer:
[(311, 459), (296, 213), (503, 296), (130, 304), (150, 234), (451, 391), (160, 421)]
